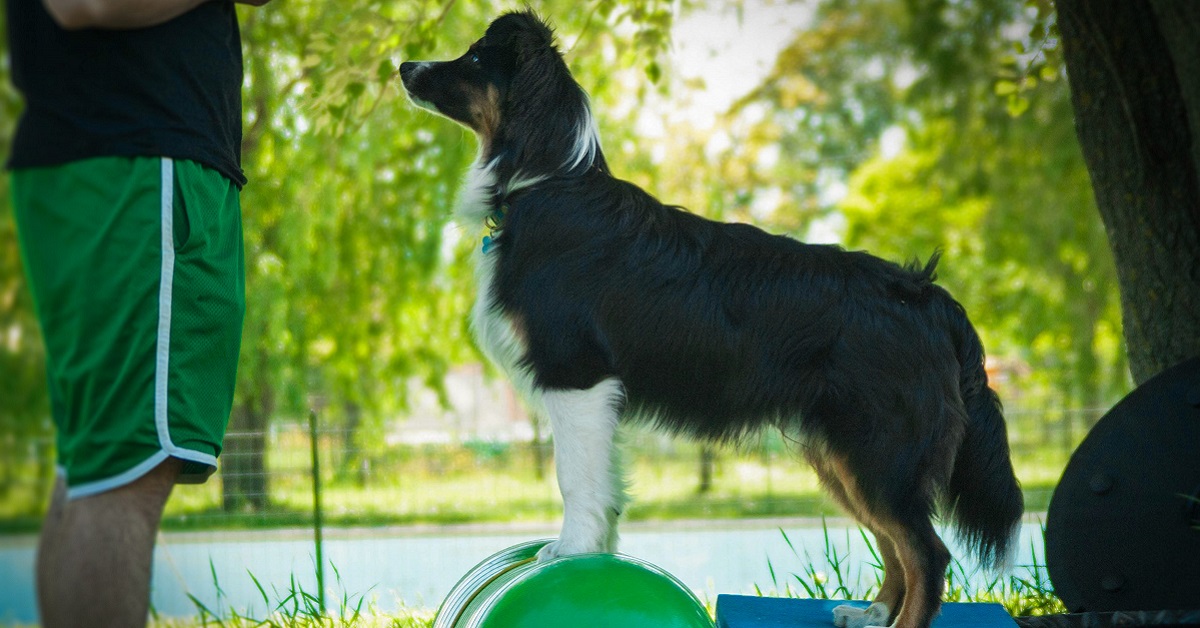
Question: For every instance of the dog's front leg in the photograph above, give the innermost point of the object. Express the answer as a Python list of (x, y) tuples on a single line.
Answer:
[(584, 424)]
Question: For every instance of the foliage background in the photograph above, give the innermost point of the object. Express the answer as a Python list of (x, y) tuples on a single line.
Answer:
[(898, 126)]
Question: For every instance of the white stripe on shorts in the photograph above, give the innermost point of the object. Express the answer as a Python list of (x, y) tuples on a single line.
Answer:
[(166, 284)]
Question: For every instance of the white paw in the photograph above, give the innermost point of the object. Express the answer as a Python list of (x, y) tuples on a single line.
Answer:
[(549, 551), (846, 616), (873, 616), (562, 547)]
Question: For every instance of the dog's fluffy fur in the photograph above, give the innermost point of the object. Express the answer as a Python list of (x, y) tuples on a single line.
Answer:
[(603, 304)]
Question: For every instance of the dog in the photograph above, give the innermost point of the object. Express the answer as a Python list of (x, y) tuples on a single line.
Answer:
[(602, 304)]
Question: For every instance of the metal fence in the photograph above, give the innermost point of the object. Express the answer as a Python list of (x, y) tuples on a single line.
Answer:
[(399, 477)]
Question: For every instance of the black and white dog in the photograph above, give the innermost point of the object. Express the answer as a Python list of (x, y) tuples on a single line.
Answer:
[(603, 304)]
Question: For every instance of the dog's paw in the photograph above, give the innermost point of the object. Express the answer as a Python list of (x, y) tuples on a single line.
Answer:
[(846, 616), (549, 551), (873, 616), (558, 547)]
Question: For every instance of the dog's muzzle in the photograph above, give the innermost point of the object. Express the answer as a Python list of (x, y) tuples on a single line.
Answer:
[(410, 69)]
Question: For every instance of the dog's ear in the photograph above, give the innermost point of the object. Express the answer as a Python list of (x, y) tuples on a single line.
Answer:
[(533, 38), (520, 37), (548, 118)]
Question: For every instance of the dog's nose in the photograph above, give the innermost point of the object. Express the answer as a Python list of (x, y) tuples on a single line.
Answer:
[(408, 68)]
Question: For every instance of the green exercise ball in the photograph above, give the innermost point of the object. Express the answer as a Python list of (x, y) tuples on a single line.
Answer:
[(510, 589)]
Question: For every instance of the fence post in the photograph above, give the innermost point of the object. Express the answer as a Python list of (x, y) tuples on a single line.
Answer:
[(318, 514)]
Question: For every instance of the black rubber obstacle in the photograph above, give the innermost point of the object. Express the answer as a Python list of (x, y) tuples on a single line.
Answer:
[(1123, 528)]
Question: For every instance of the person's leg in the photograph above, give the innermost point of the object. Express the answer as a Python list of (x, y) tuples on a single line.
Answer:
[(49, 544), (93, 563)]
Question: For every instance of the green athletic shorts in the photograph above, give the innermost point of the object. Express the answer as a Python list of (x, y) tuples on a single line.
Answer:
[(137, 275)]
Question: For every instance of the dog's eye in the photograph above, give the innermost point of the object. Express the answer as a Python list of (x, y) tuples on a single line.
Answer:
[(474, 58)]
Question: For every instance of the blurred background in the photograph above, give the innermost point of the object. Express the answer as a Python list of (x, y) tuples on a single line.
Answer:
[(897, 126)]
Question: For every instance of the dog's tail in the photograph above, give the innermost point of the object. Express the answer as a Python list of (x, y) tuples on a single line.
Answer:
[(983, 493)]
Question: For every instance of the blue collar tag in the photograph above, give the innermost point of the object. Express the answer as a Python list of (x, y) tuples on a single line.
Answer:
[(494, 222)]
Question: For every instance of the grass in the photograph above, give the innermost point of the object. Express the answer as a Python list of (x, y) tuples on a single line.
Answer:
[(293, 607), (836, 574), (496, 482)]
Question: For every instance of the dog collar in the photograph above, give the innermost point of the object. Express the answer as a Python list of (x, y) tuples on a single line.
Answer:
[(494, 223)]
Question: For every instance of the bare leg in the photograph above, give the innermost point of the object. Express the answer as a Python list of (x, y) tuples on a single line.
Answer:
[(94, 556)]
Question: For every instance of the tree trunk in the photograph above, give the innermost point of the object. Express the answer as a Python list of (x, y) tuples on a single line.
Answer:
[(1134, 71), (539, 448), (707, 460), (352, 461)]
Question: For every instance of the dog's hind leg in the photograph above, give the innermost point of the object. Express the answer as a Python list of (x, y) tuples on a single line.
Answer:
[(887, 602), (924, 559), (891, 592), (834, 474), (584, 424), (915, 559)]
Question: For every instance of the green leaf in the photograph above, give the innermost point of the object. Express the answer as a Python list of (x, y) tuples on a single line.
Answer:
[(1005, 87), (1017, 105), (386, 71), (653, 72)]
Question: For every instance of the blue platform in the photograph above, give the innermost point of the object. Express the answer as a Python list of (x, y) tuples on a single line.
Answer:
[(745, 611)]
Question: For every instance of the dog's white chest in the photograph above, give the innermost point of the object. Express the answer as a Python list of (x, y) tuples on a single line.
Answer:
[(495, 332)]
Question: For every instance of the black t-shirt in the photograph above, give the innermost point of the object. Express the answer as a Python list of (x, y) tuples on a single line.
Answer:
[(171, 90)]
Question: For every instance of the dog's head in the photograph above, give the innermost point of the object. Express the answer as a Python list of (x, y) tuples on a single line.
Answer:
[(513, 89)]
